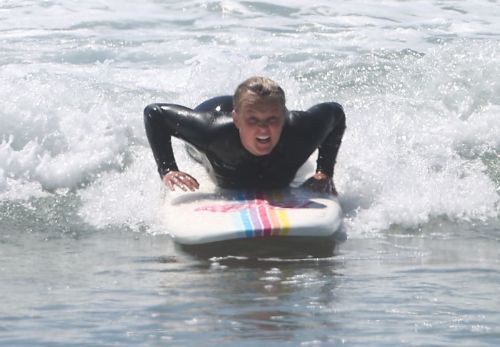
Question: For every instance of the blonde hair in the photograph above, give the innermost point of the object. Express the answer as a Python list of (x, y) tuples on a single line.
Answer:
[(265, 89)]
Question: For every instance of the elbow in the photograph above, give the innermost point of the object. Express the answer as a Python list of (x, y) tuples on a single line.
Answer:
[(151, 111), (341, 122), (337, 115)]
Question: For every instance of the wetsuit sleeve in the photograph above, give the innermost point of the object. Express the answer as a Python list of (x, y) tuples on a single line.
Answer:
[(332, 118), (162, 121)]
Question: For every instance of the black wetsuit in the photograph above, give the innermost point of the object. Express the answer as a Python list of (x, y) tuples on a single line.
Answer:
[(209, 128)]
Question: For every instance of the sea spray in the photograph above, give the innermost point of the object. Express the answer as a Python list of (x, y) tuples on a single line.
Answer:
[(417, 81)]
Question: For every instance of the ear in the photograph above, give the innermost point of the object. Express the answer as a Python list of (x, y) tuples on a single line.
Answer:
[(236, 119)]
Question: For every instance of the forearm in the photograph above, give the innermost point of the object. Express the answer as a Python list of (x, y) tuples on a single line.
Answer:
[(327, 154), (159, 135), (328, 150)]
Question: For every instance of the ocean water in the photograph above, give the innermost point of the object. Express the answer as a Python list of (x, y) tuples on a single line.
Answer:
[(84, 259)]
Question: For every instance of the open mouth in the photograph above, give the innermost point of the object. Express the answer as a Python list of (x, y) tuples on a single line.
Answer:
[(263, 139)]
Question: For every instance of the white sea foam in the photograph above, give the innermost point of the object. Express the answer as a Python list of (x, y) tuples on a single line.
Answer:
[(418, 81)]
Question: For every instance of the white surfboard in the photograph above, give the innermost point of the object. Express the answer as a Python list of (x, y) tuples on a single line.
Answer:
[(201, 218)]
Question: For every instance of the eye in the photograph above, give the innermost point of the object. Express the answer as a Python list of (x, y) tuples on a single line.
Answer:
[(273, 120), (252, 121)]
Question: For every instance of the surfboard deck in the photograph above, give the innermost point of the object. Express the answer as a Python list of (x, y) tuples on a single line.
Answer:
[(202, 218)]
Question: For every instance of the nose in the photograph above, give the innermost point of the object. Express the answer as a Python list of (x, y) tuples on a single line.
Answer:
[(263, 123), (263, 128)]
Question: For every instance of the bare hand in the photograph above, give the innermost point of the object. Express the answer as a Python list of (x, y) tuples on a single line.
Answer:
[(182, 180), (320, 182)]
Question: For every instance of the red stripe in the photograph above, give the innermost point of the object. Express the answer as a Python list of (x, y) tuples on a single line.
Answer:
[(262, 208)]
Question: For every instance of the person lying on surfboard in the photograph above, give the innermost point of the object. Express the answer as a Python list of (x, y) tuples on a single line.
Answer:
[(249, 140)]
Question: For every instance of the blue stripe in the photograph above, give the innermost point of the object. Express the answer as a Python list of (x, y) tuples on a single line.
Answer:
[(245, 218)]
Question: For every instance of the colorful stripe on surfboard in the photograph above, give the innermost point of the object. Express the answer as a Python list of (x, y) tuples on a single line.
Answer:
[(260, 214), (259, 218)]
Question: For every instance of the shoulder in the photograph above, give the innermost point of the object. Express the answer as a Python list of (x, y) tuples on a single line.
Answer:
[(222, 103), (319, 117), (324, 110), (165, 108)]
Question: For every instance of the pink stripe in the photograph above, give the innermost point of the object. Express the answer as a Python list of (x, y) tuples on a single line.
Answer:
[(254, 217), (272, 212)]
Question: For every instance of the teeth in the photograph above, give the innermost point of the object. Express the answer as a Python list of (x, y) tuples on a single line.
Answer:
[(263, 138)]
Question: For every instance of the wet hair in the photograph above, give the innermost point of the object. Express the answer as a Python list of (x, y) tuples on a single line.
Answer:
[(261, 88)]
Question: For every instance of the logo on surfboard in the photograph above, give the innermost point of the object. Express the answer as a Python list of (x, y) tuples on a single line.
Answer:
[(256, 203)]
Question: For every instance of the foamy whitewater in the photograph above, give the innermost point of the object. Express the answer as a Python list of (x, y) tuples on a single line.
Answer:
[(419, 81)]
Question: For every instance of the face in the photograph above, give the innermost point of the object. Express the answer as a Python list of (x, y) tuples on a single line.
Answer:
[(260, 126)]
